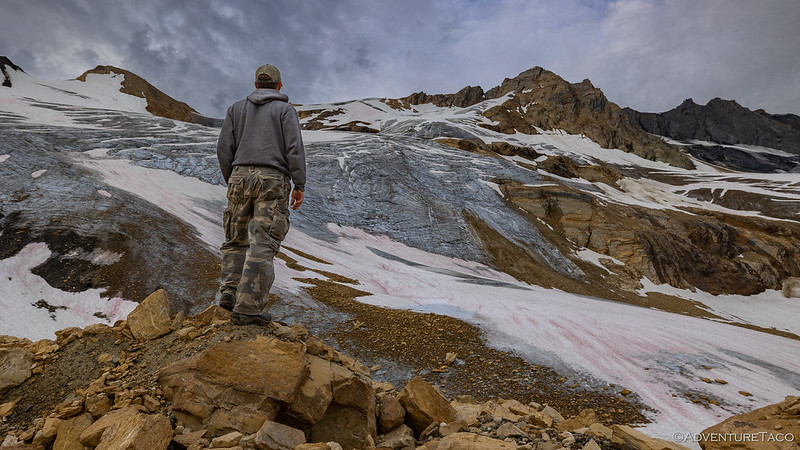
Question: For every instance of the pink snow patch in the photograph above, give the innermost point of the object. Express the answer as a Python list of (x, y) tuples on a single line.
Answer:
[(22, 291)]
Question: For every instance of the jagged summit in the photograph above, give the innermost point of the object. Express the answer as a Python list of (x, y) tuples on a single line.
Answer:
[(723, 122), (158, 103), (541, 99), (5, 62)]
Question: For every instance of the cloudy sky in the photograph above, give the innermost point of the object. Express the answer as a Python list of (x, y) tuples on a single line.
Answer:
[(646, 54)]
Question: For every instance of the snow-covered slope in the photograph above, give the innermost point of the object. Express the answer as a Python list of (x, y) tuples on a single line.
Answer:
[(98, 91), (540, 239)]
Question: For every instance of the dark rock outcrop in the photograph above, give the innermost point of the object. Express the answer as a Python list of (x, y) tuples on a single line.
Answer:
[(546, 101), (6, 64), (467, 96), (724, 122)]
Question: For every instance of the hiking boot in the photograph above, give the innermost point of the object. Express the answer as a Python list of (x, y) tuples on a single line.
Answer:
[(227, 301), (245, 319)]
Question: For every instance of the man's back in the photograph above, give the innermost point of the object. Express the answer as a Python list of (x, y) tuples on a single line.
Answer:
[(263, 130)]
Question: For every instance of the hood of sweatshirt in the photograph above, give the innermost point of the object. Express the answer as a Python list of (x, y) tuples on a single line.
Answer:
[(261, 96)]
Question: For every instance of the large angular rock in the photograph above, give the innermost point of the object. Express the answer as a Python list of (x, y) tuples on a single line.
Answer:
[(210, 314), (469, 441), (276, 436), (585, 418), (400, 437), (230, 382), (69, 432), (346, 425), (137, 432), (424, 405), (391, 414), (769, 428), (90, 437), (632, 439), (468, 412), (151, 318), (15, 367), (316, 393)]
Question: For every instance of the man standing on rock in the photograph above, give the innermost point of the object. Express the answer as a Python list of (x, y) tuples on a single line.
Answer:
[(259, 150)]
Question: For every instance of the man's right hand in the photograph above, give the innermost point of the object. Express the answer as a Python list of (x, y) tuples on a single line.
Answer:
[(297, 199)]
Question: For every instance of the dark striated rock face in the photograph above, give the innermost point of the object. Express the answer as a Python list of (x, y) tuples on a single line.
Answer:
[(542, 99), (724, 122), (467, 96), (6, 64)]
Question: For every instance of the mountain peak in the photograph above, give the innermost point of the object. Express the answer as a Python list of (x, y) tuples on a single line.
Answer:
[(5, 62), (158, 103), (725, 122)]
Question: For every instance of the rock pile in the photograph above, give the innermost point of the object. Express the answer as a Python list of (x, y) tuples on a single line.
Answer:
[(278, 389)]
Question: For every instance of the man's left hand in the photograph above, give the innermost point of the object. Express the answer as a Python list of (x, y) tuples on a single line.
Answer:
[(297, 199)]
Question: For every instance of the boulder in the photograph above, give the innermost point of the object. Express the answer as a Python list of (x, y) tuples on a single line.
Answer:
[(319, 446), (346, 425), (276, 436), (15, 367), (453, 427), (599, 430), (316, 392), (769, 428), (69, 432), (499, 410), (391, 413), (509, 430), (791, 287), (465, 441), (468, 412), (91, 436), (238, 382), (211, 314), (400, 437), (555, 415), (517, 407), (629, 438), (585, 418), (7, 408), (98, 405), (186, 440), (151, 318), (227, 440), (48, 433), (424, 405), (591, 445), (137, 432)]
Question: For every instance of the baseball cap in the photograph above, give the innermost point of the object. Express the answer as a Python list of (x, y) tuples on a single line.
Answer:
[(270, 71)]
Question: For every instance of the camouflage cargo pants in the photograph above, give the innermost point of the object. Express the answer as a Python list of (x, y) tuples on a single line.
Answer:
[(255, 222)]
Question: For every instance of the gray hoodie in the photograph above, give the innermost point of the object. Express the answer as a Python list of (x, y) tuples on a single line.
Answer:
[(263, 130)]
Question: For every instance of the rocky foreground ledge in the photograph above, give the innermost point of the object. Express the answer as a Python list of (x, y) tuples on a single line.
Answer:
[(161, 382)]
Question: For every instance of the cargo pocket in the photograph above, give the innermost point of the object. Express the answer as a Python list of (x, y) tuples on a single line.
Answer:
[(273, 187), (235, 189), (280, 225)]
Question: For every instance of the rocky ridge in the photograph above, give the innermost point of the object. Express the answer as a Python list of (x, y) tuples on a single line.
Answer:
[(158, 103), (543, 100), (276, 388), (5, 62), (724, 122)]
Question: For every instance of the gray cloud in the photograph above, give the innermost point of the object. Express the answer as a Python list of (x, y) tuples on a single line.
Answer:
[(647, 54)]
